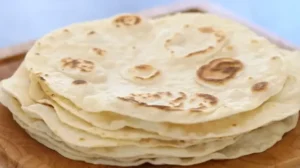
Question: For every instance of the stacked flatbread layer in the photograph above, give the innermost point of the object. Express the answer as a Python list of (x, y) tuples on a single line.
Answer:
[(181, 90)]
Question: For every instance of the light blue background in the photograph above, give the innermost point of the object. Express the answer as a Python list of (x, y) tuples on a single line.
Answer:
[(23, 20)]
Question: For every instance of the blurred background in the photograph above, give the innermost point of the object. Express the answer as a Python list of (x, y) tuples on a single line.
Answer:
[(23, 20)]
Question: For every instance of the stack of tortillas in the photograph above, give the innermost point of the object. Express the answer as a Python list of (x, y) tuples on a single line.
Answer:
[(181, 89)]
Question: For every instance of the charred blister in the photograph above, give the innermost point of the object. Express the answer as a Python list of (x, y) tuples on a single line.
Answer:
[(219, 71)]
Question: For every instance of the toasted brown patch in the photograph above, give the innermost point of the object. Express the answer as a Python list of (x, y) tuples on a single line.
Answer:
[(91, 32), (207, 97), (261, 86), (37, 53), (206, 29), (79, 82), (275, 58), (219, 70), (178, 101), (144, 67), (79, 64), (66, 31), (99, 51), (81, 139), (142, 72), (210, 48), (127, 20)]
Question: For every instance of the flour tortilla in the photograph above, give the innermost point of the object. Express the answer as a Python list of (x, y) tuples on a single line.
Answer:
[(287, 99), (98, 146), (164, 77), (265, 138), (88, 130)]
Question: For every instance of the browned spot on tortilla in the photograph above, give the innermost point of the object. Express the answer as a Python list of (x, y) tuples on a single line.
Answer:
[(37, 53), (147, 78), (250, 78), (81, 139), (79, 64), (275, 58), (127, 20), (66, 30), (178, 101), (99, 51), (46, 75), (144, 67), (212, 99), (234, 125), (261, 86), (210, 48), (79, 82), (157, 96), (219, 71), (91, 32), (206, 29)]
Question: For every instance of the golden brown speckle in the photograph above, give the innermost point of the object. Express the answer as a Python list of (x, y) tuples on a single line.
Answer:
[(79, 82), (206, 29), (79, 64), (127, 20), (99, 51), (261, 86), (91, 32), (212, 99)]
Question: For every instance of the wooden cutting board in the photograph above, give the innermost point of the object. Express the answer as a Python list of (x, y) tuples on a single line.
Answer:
[(18, 150)]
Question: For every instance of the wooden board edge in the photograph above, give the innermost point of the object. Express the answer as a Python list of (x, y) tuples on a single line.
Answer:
[(15, 50)]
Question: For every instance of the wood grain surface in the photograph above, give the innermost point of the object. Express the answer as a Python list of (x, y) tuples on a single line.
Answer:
[(18, 150)]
